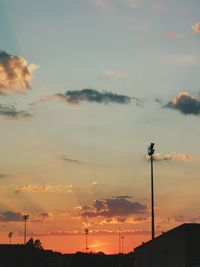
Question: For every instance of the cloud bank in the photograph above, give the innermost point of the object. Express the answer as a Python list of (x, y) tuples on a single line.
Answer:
[(185, 103), (15, 73), (113, 207)]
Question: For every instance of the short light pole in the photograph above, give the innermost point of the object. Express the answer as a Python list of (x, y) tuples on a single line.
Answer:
[(25, 218), (10, 237), (122, 238), (151, 151), (119, 240), (86, 239)]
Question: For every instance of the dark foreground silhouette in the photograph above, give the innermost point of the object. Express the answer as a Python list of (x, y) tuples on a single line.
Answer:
[(179, 247), (27, 256)]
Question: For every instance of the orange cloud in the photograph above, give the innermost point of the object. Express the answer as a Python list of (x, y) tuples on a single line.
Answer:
[(196, 27), (170, 156), (15, 73)]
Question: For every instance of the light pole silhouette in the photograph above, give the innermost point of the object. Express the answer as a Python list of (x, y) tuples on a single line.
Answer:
[(10, 237), (119, 240), (86, 239), (25, 218), (151, 151), (122, 238)]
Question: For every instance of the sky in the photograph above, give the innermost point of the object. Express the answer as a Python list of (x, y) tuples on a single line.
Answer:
[(85, 87)]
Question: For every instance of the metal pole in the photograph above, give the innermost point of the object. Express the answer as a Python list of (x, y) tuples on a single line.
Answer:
[(86, 240), (152, 199), (122, 237), (151, 151), (25, 217), (119, 240), (24, 231)]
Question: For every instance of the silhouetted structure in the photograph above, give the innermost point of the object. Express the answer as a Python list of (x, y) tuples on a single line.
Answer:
[(151, 151), (179, 247), (24, 256), (25, 218)]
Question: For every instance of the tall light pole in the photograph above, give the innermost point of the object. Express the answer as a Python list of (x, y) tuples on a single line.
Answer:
[(10, 237), (86, 239), (151, 151), (25, 218)]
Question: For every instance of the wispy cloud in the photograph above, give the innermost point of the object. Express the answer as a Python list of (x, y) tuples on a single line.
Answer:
[(170, 157), (132, 3), (70, 160), (109, 73), (159, 7), (43, 188), (185, 103), (182, 60), (10, 112), (103, 4), (90, 95), (15, 73), (196, 27), (42, 217), (174, 35), (118, 207)]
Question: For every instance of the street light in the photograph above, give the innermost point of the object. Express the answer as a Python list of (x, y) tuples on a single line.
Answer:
[(86, 239), (10, 237), (25, 218), (151, 151)]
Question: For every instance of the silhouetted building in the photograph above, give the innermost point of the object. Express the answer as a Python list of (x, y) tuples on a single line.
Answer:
[(179, 247)]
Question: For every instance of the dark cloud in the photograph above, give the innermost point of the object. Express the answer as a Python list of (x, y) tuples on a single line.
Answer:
[(15, 73), (90, 95), (70, 160), (41, 217), (11, 216), (113, 207), (185, 103), (10, 112)]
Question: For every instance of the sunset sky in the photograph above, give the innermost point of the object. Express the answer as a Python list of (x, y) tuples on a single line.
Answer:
[(85, 87)]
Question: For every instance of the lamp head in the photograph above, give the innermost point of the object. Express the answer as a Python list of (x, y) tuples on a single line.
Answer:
[(151, 149)]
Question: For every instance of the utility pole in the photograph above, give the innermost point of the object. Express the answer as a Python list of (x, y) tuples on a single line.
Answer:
[(86, 239), (151, 151), (25, 218)]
